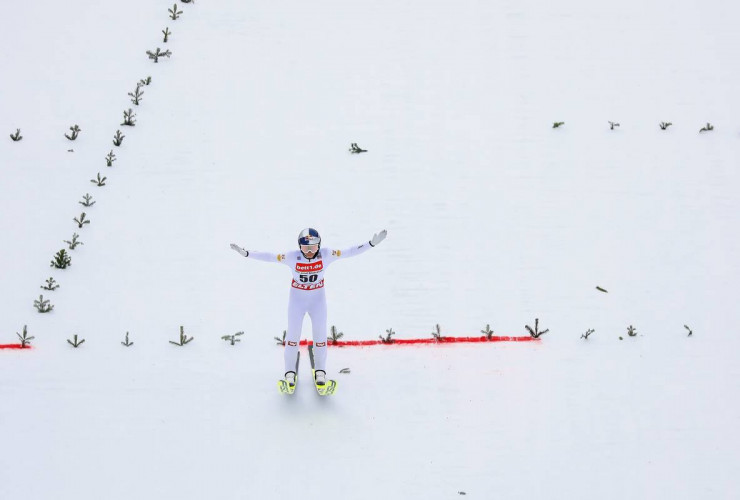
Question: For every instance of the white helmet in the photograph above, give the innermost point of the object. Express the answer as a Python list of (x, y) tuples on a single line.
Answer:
[(309, 236)]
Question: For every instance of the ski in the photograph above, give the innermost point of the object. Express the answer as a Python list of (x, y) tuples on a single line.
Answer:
[(323, 390), (283, 386)]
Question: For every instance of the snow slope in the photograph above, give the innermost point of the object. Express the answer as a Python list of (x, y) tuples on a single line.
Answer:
[(493, 216)]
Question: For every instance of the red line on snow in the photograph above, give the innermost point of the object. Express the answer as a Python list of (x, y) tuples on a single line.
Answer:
[(13, 346), (443, 340)]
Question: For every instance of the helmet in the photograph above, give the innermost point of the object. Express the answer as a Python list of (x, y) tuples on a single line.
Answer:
[(309, 236)]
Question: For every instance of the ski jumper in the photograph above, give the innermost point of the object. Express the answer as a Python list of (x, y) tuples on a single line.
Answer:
[(307, 296)]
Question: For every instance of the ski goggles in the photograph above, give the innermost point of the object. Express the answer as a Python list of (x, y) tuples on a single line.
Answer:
[(309, 248)]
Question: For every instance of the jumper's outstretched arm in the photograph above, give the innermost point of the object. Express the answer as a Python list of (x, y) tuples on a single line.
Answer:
[(265, 256)]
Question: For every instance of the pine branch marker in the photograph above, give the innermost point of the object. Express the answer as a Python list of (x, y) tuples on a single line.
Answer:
[(536, 333), (709, 127), (126, 342), (81, 221), (76, 343), (588, 332), (387, 339), (74, 243), (174, 13), (612, 125), (664, 125), (25, 339), (167, 34), (17, 136), (62, 260), (100, 181), (145, 81), (136, 96), (75, 132), (109, 159), (87, 201), (183, 338), (118, 138), (279, 340), (42, 305), (157, 54), (558, 124), (344, 370), (51, 285), (689, 330), (632, 331), (437, 333), (335, 335), (233, 338), (488, 332), (128, 118)]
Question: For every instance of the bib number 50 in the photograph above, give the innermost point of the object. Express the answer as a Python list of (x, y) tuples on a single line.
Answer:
[(308, 278)]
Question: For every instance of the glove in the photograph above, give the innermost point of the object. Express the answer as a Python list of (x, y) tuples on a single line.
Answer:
[(240, 250), (378, 237)]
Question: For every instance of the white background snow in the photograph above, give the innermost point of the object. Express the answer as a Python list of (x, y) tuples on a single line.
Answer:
[(493, 217)]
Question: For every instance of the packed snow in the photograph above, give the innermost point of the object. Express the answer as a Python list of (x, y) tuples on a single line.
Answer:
[(494, 218)]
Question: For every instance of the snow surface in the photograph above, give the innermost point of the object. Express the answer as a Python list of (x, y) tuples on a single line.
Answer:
[(493, 217)]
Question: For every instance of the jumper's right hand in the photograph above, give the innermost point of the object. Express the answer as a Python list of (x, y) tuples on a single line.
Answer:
[(240, 250)]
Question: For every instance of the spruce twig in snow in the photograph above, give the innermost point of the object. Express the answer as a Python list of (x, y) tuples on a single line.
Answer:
[(487, 332), (588, 332), (145, 81), (110, 158), (355, 149), (126, 342), (233, 338), (51, 285), (157, 54), (174, 13), (707, 128), (279, 340), (632, 331), (536, 333), (76, 343), (612, 125), (74, 243), (61, 260), (167, 34), (387, 339), (25, 339), (601, 289), (689, 329), (17, 136), (665, 125), (344, 370), (87, 201), (81, 221), (437, 333), (75, 132), (558, 124), (183, 338), (118, 138), (136, 95), (42, 305), (100, 181), (335, 335), (128, 118)]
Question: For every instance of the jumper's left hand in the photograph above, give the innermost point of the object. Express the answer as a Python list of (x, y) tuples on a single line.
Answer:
[(378, 238)]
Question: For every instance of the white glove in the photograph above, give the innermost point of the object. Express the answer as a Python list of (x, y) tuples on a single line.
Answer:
[(378, 237), (240, 250)]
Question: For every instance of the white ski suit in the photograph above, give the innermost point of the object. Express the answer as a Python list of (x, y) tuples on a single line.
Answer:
[(307, 295)]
